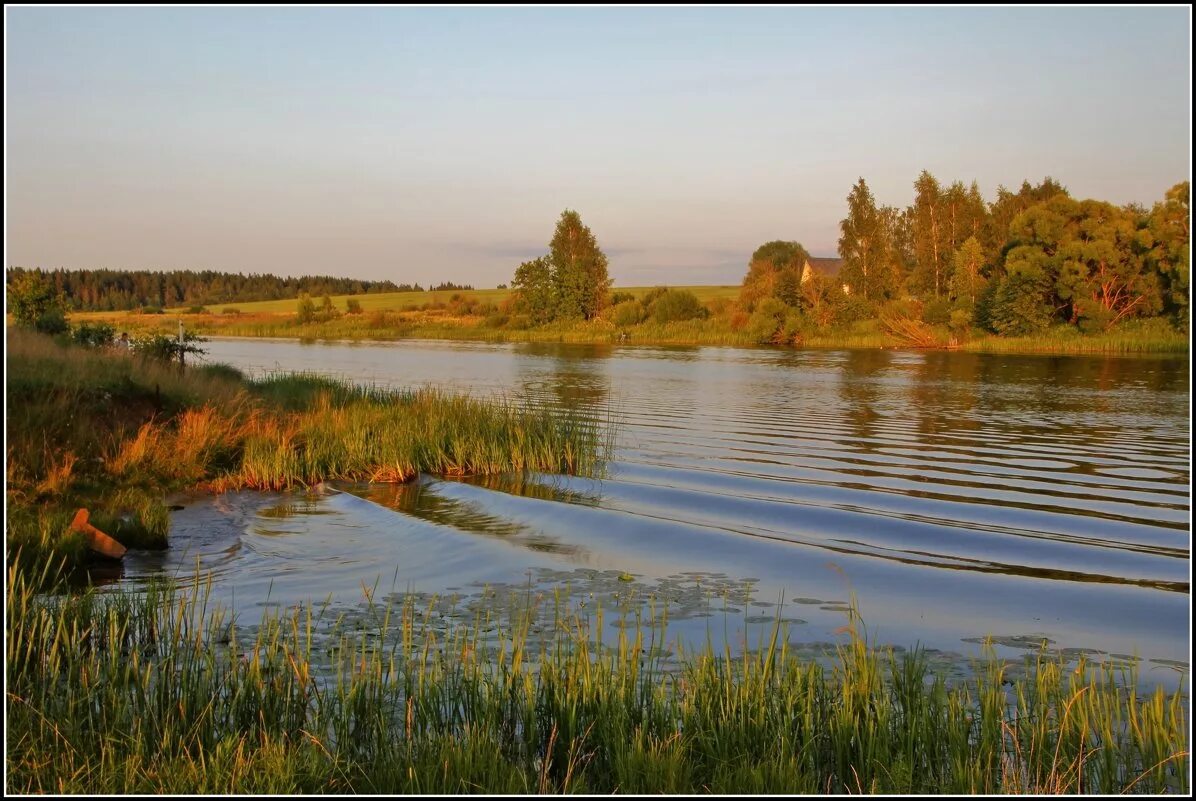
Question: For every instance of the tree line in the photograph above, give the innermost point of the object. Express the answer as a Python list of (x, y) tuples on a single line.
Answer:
[(1017, 265), (114, 290)]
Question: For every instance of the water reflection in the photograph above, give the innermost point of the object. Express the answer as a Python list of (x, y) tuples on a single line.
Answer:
[(959, 493)]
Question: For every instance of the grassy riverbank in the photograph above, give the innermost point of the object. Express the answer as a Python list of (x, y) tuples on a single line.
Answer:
[(114, 433), (158, 693), (724, 329)]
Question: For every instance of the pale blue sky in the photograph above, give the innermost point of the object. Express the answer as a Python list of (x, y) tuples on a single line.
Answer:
[(430, 144)]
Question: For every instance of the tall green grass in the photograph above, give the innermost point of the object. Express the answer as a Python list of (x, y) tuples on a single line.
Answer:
[(158, 693), (114, 433)]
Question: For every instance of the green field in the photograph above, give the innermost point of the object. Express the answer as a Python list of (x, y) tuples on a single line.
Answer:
[(398, 301)]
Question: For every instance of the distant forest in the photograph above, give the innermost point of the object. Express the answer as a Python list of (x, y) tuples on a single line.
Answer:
[(112, 290)]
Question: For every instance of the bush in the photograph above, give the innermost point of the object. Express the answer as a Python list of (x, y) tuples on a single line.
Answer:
[(675, 305), (629, 312), (96, 336), (937, 312), (853, 309), (353, 306), (230, 310), (765, 323), (496, 320), (167, 348), (654, 293), (519, 322), (152, 310), (35, 303), (1018, 308), (52, 321), (307, 309), (620, 297), (197, 310), (1093, 316), (960, 322)]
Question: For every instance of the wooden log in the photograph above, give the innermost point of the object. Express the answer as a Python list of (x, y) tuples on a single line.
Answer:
[(97, 540)]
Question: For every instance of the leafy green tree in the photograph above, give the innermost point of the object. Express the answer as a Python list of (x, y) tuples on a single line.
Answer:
[(579, 269), (35, 302), (1018, 305), (676, 305), (535, 290), (774, 271), (1171, 254), (1091, 255), (929, 270), (864, 245), (994, 235), (1102, 274), (97, 335), (967, 278), (765, 324), (307, 308), (822, 300)]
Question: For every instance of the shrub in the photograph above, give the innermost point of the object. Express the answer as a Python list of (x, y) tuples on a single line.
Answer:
[(853, 309), (674, 305), (960, 322), (1093, 316), (230, 310), (353, 306), (307, 308), (35, 303), (620, 297), (52, 321), (765, 323), (167, 348), (629, 312), (197, 310), (1018, 308), (937, 312), (652, 295), (94, 335)]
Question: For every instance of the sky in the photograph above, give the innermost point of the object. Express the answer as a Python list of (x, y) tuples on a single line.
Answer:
[(430, 144)]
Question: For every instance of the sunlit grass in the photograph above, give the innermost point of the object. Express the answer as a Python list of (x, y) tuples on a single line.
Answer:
[(157, 692), (114, 433)]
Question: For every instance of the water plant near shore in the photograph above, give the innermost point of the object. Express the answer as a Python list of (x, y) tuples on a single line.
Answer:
[(114, 433), (158, 692)]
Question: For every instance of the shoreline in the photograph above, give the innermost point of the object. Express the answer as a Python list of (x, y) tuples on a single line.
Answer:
[(1123, 341)]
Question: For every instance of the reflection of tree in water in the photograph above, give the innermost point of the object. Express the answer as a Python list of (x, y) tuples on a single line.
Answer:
[(566, 376), (860, 392), (943, 393)]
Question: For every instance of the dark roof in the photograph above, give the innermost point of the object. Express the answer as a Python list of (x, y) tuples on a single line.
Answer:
[(829, 267)]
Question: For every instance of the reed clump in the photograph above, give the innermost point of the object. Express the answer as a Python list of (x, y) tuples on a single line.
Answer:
[(157, 692), (114, 433)]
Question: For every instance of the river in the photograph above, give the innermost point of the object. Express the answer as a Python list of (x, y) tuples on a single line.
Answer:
[(956, 496)]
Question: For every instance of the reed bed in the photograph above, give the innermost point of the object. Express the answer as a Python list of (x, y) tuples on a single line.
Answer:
[(115, 433), (157, 692)]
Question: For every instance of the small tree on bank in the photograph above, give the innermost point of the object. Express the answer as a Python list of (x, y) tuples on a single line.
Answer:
[(578, 269), (35, 303), (571, 281)]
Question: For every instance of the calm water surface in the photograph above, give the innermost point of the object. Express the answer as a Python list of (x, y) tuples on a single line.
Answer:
[(956, 495)]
